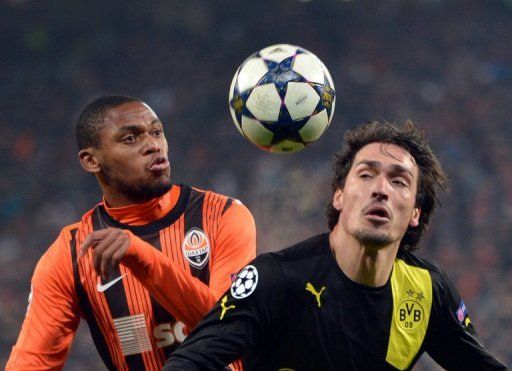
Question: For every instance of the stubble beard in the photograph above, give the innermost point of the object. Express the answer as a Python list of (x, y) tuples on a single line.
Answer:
[(139, 193), (375, 239)]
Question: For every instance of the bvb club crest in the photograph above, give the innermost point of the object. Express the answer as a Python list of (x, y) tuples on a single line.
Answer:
[(410, 312), (196, 248)]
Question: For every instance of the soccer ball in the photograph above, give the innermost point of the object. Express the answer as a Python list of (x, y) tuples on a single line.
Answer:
[(282, 98)]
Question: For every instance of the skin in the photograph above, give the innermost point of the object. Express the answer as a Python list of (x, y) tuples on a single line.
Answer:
[(377, 205), (131, 166)]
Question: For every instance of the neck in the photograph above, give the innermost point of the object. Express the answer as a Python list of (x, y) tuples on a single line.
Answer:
[(366, 265), (118, 200), (115, 197), (146, 212)]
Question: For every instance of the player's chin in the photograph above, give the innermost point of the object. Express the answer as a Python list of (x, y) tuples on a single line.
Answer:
[(157, 188), (163, 176), (157, 179), (162, 182), (373, 237)]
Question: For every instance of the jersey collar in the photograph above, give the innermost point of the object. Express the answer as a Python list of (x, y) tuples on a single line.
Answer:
[(147, 212)]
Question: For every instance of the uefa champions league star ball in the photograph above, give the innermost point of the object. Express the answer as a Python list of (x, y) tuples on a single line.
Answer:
[(282, 98)]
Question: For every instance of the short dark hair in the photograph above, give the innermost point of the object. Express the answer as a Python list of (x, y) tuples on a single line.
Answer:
[(92, 119), (431, 180)]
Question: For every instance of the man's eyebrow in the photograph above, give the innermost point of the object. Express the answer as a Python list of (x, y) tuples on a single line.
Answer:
[(127, 128), (136, 128), (377, 164)]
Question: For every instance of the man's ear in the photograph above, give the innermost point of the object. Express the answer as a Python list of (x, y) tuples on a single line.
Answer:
[(415, 220), (89, 160), (337, 199)]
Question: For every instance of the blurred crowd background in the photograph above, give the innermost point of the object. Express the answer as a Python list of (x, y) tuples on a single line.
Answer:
[(445, 64)]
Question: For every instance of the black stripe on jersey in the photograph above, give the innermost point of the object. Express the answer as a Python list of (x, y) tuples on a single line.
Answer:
[(160, 314), (116, 300), (194, 219), (85, 306), (228, 204), (150, 228)]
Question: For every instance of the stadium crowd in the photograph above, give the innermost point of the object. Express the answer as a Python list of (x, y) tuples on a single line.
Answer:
[(446, 66)]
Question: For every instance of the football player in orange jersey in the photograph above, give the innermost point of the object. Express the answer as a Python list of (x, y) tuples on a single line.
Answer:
[(145, 264)]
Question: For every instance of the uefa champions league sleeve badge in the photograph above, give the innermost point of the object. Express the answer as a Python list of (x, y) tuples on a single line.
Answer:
[(245, 283)]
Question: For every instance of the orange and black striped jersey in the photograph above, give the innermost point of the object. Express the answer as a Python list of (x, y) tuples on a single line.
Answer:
[(175, 269)]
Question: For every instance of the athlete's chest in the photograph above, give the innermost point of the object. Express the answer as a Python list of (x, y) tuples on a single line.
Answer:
[(329, 311), (367, 327), (128, 318)]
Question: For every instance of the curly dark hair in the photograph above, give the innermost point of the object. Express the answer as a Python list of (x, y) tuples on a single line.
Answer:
[(432, 178)]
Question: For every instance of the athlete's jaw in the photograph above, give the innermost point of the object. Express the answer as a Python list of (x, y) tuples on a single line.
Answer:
[(145, 187)]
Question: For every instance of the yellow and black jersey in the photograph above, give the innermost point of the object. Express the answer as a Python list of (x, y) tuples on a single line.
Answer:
[(296, 310)]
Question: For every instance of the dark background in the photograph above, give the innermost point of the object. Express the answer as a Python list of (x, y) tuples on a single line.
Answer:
[(444, 64)]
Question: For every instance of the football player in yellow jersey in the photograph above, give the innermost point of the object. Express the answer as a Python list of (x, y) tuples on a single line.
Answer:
[(355, 298)]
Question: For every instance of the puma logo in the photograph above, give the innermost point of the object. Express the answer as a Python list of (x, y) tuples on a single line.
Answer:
[(317, 294), (224, 308)]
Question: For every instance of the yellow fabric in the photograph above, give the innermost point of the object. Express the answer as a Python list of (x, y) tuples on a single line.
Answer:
[(412, 303)]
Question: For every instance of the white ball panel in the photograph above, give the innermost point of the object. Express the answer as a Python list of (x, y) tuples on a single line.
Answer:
[(278, 53), (315, 127), (255, 132), (264, 102), (235, 121), (232, 86), (310, 67), (301, 99), (248, 284), (250, 73), (287, 146)]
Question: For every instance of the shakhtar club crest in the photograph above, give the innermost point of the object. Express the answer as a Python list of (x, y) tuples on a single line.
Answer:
[(196, 248)]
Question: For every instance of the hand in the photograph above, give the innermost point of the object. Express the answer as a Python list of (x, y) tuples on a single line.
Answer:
[(110, 246)]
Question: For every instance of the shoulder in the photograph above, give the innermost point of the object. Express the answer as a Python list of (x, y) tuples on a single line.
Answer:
[(272, 276), (207, 194), (298, 259), (59, 251), (438, 275), (312, 248), (63, 240), (55, 267), (219, 202), (414, 260), (307, 258)]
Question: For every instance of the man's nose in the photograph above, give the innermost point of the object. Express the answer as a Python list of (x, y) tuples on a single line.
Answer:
[(380, 190), (151, 145)]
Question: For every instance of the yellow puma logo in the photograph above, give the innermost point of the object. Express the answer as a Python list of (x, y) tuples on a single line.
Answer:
[(224, 308), (311, 289)]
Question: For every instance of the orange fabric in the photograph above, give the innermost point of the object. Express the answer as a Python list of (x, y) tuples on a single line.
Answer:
[(187, 297), (140, 214), (54, 314)]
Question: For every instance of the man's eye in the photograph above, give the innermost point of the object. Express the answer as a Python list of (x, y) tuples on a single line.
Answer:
[(400, 182), (365, 175), (129, 139), (157, 132)]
